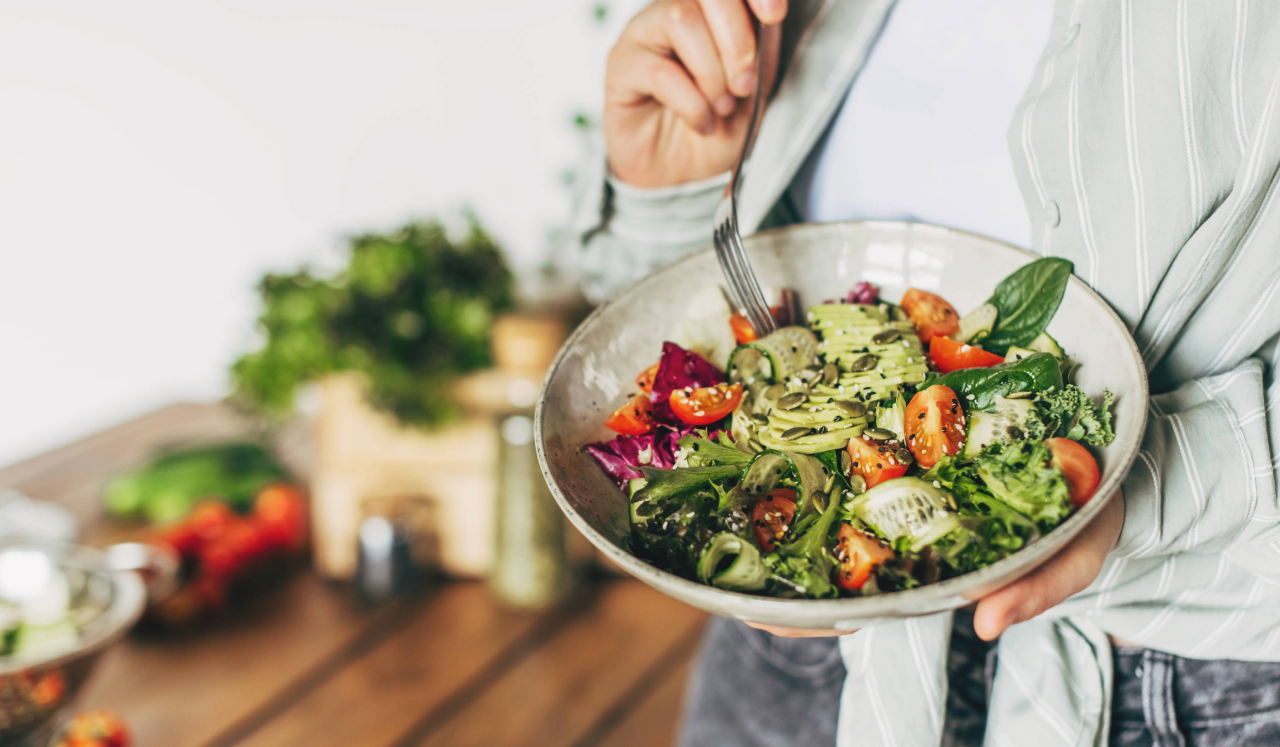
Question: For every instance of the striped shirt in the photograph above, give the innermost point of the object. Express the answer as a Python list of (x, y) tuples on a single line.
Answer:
[(1147, 149)]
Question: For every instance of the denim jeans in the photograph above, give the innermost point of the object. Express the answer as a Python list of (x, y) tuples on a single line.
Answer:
[(753, 689)]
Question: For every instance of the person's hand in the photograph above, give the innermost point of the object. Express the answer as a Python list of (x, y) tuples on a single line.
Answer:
[(1065, 574), (1068, 572), (679, 86)]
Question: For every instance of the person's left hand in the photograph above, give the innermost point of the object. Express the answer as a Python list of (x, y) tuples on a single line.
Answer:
[(1065, 574)]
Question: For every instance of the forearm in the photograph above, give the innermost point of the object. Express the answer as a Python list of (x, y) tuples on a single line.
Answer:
[(1203, 481), (627, 232)]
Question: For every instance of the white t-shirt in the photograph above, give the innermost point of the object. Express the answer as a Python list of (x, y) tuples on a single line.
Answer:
[(923, 132)]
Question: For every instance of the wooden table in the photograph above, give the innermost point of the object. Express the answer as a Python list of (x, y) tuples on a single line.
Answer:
[(309, 667)]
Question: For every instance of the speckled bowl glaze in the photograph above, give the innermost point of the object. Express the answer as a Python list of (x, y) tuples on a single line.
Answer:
[(597, 366)]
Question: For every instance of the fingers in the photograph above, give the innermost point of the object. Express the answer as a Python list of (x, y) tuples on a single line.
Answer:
[(1065, 574), (729, 24), (639, 73), (691, 39), (798, 632), (769, 11)]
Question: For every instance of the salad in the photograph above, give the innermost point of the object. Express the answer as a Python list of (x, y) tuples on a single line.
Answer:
[(867, 447)]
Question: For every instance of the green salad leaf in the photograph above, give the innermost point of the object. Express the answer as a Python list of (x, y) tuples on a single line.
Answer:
[(662, 484), (1070, 413), (989, 528), (702, 452), (979, 387), (1026, 302), (1023, 475)]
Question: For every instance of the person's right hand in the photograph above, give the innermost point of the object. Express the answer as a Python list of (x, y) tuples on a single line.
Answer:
[(679, 87)]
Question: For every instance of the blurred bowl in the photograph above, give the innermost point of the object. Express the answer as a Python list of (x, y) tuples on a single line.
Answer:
[(598, 364), (104, 604)]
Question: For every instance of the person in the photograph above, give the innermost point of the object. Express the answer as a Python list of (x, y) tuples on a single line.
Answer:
[(1139, 139)]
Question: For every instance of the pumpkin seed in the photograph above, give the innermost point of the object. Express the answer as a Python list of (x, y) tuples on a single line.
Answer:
[(792, 401), (819, 499), (852, 409), (830, 374), (858, 484), (879, 434), (809, 374), (831, 483), (755, 445), (773, 392), (846, 462), (792, 434), (886, 336), (904, 456), (759, 418), (1019, 395), (864, 363)]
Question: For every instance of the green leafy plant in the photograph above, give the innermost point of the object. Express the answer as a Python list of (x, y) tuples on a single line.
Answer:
[(411, 312)]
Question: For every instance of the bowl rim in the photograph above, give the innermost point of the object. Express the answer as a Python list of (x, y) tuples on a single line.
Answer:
[(128, 599), (880, 605)]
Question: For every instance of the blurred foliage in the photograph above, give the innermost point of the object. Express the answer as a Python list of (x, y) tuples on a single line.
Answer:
[(411, 311)]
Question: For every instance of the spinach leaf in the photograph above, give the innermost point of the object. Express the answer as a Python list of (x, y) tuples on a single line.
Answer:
[(1035, 373), (1026, 302)]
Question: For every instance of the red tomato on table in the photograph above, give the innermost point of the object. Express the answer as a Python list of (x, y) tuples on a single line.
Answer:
[(935, 425), (706, 405), (932, 316), (1078, 467), (949, 355), (633, 418), (875, 460), (280, 515), (858, 554), (771, 516)]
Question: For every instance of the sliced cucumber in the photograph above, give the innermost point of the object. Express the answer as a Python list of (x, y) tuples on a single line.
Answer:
[(732, 562), (776, 357), (1046, 344), (1016, 354), (892, 417), (977, 323), (1006, 422), (907, 507), (633, 487)]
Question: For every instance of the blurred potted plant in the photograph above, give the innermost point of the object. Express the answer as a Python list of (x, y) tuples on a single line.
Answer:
[(401, 343)]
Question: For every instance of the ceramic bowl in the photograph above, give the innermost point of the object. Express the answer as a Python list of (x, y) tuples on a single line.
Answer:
[(35, 692), (597, 365)]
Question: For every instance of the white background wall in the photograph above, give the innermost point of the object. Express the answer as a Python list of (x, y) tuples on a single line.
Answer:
[(156, 157)]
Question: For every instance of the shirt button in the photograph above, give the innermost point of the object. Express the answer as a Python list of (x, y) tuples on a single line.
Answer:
[(1052, 215), (1071, 35)]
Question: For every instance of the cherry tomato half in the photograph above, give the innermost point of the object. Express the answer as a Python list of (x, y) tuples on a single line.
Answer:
[(875, 460), (858, 554), (949, 355), (633, 418), (743, 332), (646, 377), (932, 316), (771, 516), (1078, 467), (935, 425), (706, 405)]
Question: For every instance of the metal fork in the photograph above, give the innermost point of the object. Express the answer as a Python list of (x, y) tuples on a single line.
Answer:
[(728, 239)]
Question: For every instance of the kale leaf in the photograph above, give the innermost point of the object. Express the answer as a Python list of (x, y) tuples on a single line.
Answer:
[(1070, 413)]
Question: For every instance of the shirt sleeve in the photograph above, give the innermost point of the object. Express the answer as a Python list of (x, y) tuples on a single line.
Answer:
[(1204, 480), (626, 232)]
